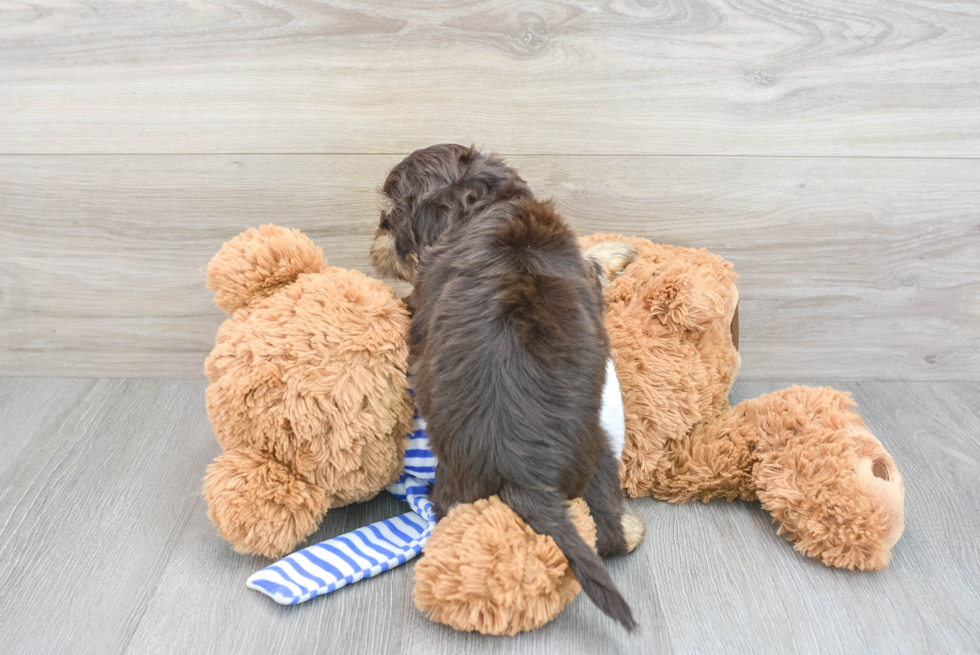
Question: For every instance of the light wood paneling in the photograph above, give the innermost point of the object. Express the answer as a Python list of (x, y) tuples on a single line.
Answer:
[(105, 548), (852, 268), (712, 77)]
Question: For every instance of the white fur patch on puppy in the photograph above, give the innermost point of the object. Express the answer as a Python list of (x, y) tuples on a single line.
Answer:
[(612, 416)]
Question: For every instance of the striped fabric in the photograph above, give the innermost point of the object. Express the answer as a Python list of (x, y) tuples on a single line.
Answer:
[(368, 551)]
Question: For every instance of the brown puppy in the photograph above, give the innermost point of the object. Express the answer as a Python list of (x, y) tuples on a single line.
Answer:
[(509, 350)]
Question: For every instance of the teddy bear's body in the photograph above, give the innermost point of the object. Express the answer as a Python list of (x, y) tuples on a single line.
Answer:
[(308, 392), (308, 399), (669, 318)]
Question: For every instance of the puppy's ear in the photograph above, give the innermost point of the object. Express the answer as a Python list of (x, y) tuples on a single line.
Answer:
[(383, 202), (440, 210), (393, 250), (388, 262)]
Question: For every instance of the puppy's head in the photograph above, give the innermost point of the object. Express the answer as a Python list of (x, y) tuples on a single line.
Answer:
[(430, 191)]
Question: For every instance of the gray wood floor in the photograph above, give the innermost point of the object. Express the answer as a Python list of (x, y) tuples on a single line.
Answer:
[(105, 547)]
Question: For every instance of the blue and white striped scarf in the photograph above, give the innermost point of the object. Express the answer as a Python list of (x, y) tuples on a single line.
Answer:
[(366, 552)]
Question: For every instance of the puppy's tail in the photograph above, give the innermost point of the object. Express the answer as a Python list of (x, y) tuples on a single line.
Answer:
[(545, 511)]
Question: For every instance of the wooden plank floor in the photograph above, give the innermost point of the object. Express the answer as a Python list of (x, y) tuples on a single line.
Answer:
[(105, 547)]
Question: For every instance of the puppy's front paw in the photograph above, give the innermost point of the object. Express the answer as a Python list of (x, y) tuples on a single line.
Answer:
[(634, 529), (611, 257)]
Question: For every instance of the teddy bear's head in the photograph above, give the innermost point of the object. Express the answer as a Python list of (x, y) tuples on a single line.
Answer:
[(308, 391), (672, 324)]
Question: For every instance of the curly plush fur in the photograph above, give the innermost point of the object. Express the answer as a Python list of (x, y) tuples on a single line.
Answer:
[(308, 392), (804, 453), (834, 489), (486, 570), (308, 400), (668, 317)]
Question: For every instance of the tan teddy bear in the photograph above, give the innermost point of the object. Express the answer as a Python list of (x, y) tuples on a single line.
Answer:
[(804, 453), (308, 399), (308, 391)]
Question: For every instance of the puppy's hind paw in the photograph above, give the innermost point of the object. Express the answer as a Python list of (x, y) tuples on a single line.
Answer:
[(611, 258), (634, 529)]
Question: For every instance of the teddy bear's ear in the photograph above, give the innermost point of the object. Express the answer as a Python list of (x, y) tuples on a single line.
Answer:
[(686, 299), (257, 262)]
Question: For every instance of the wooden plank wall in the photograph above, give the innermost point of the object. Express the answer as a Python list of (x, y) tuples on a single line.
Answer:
[(831, 151)]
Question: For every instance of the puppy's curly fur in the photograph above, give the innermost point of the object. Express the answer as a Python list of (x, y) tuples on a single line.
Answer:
[(508, 348), (430, 191)]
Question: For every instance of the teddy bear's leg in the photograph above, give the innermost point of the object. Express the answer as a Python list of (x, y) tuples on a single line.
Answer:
[(713, 461), (834, 489), (484, 569), (260, 504), (617, 532), (811, 461)]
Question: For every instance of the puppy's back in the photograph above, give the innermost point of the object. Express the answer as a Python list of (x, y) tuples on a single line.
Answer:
[(511, 365), (543, 289), (515, 351)]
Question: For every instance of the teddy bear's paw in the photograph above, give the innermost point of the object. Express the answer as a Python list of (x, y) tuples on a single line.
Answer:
[(485, 570), (830, 484), (634, 530), (612, 258), (260, 504)]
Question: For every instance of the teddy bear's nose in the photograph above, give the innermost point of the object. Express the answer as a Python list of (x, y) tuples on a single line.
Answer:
[(880, 470)]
